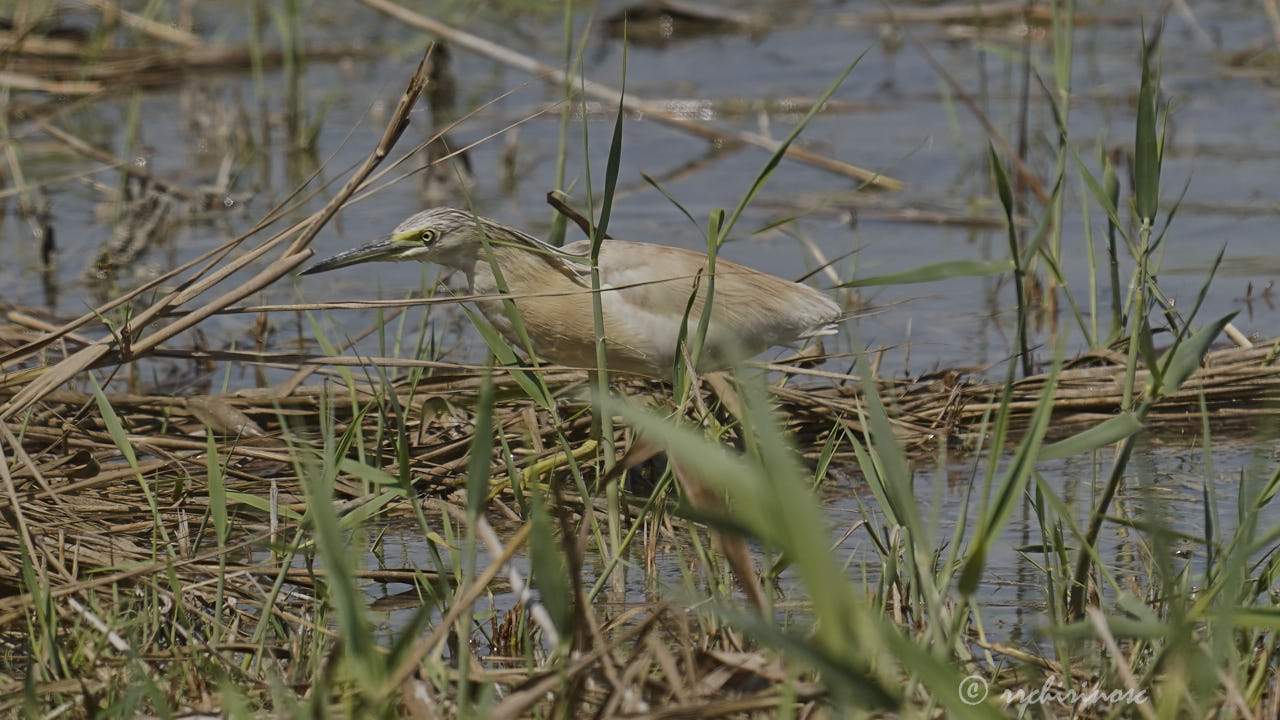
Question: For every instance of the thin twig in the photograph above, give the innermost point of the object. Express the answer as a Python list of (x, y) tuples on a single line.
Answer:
[(84, 148), (1024, 172), (296, 253), (160, 31), (461, 604)]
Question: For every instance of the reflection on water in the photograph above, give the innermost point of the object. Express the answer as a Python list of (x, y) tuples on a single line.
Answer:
[(1166, 492)]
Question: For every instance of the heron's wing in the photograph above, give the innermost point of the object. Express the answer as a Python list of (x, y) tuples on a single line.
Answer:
[(750, 310)]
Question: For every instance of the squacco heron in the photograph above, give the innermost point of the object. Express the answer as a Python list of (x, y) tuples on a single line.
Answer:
[(645, 290)]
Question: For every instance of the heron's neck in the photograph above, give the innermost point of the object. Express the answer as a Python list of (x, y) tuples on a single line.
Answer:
[(520, 269)]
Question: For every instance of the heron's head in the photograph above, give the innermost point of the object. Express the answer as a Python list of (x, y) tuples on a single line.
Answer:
[(440, 235)]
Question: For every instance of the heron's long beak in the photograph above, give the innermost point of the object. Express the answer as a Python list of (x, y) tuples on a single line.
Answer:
[(381, 250)]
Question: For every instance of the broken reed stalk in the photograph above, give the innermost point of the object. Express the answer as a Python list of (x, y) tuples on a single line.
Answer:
[(214, 257), (1024, 174), (146, 26), (23, 81), (295, 254), (987, 12), (300, 376), (80, 146), (34, 61)]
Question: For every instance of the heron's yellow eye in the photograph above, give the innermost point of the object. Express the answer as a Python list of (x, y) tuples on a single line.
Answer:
[(428, 237)]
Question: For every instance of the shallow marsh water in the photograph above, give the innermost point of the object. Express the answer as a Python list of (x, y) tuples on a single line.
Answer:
[(894, 114)]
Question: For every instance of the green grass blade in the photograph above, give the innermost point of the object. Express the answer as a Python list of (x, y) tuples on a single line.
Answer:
[(1016, 255), (1015, 482), (217, 489), (481, 448), (1104, 433), (343, 590), (611, 166), (260, 503), (1146, 147), (777, 155), (115, 429), (507, 357), (1186, 357), (550, 573), (935, 272)]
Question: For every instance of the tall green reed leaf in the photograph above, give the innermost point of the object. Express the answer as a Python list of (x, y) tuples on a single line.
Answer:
[(598, 235), (1015, 254), (935, 272), (777, 155), (1184, 359), (1146, 146), (1108, 195), (481, 448), (1015, 481), (777, 508), (550, 573), (1105, 433), (364, 662), (115, 429), (709, 279), (507, 357), (559, 223)]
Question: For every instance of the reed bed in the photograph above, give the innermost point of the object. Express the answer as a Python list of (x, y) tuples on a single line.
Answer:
[(1237, 385), (109, 530)]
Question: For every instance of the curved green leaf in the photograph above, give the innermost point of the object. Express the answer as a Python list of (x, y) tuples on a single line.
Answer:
[(1104, 433), (1182, 359), (935, 272)]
